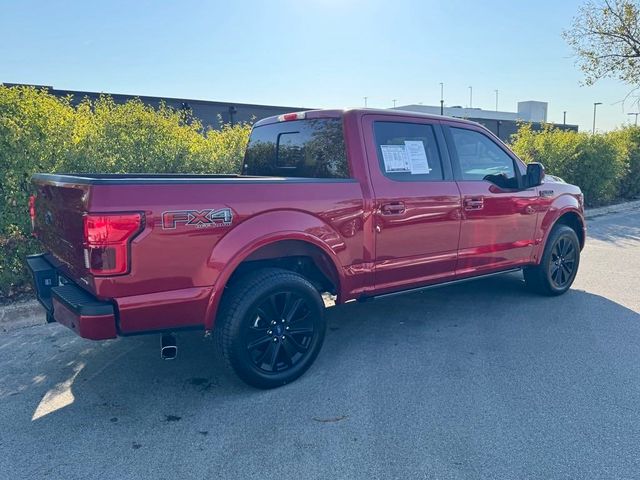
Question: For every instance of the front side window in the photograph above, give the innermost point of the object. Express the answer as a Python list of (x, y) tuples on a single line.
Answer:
[(408, 151), (312, 148), (481, 159)]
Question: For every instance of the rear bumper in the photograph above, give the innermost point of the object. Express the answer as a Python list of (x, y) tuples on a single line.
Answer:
[(70, 305)]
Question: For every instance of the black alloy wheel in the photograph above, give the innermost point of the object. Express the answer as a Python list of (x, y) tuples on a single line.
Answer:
[(558, 266), (270, 327), (279, 332), (563, 262)]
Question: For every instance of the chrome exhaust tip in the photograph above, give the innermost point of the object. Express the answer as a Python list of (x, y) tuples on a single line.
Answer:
[(168, 347)]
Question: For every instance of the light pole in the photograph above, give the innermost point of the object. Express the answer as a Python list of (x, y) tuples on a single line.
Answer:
[(564, 117), (441, 98), (636, 114), (394, 102), (470, 97), (595, 104), (365, 101), (496, 99)]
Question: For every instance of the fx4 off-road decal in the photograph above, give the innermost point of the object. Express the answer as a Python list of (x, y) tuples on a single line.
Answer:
[(207, 218)]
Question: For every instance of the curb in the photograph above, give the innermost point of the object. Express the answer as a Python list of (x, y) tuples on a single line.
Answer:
[(21, 315), (617, 208)]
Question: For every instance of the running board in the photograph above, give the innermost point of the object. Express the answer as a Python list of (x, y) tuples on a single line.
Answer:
[(438, 285)]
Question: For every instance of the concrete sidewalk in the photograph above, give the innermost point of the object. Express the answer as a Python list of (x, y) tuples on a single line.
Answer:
[(24, 313)]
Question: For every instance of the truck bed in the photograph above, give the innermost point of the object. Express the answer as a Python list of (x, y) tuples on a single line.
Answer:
[(165, 178)]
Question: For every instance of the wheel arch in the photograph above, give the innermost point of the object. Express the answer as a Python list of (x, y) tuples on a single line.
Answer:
[(575, 221), (570, 215), (296, 241)]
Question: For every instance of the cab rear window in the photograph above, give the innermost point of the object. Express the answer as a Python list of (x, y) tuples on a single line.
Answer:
[(312, 148)]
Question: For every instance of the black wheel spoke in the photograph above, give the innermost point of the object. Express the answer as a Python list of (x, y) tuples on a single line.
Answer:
[(273, 304), (264, 355), (300, 331), (288, 352), (297, 345), (291, 307), (273, 360), (301, 319), (260, 341)]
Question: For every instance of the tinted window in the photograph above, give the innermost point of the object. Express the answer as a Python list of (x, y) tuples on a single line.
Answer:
[(481, 159), (301, 148), (408, 151)]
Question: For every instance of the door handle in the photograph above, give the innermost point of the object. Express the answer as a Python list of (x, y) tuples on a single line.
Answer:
[(473, 203), (394, 208)]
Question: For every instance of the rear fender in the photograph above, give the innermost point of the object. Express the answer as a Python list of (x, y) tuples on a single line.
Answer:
[(262, 230)]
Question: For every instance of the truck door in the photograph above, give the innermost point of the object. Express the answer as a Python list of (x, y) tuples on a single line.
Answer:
[(417, 206), (498, 215)]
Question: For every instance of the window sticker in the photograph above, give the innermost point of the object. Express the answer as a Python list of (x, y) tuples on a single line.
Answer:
[(417, 157), (395, 158)]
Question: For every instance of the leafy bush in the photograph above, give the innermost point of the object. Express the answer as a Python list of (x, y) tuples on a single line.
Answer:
[(42, 133), (590, 161), (627, 143)]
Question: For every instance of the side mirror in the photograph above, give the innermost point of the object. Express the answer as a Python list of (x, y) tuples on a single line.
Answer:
[(535, 175)]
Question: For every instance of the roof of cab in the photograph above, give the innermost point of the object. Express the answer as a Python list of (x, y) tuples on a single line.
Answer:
[(337, 113)]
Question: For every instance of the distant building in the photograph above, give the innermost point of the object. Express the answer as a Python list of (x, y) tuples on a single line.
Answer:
[(208, 112), (503, 124)]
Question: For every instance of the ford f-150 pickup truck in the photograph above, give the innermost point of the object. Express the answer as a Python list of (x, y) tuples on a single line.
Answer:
[(349, 205)]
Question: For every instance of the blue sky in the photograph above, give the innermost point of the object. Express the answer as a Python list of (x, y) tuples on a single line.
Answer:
[(309, 53)]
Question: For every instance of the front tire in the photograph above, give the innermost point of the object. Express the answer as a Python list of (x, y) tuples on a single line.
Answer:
[(559, 264), (271, 327)]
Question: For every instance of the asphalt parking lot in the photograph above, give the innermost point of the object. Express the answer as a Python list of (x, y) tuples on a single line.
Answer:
[(482, 380)]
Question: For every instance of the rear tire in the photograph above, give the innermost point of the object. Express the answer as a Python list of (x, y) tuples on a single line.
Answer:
[(270, 327), (559, 264)]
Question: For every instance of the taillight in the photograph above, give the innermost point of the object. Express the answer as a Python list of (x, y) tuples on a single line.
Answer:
[(32, 212), (106, 242)]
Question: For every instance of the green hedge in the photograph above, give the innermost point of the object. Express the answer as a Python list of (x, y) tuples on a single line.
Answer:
[(42, 133), (605, 166)]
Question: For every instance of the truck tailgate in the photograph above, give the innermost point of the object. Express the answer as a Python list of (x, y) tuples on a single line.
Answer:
[(58, 224)]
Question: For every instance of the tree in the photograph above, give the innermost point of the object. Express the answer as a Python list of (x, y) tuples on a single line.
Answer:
[(605, 37)]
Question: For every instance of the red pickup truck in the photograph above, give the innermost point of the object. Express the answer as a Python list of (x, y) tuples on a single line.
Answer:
[(348, 205)]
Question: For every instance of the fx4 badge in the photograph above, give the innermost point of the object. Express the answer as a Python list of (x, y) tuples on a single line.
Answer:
[(207, 218)]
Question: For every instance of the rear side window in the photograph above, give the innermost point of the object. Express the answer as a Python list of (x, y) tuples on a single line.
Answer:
[(408, 151), (312, 148)]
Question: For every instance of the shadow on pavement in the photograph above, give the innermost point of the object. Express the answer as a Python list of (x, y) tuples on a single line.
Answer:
[(446, 361)]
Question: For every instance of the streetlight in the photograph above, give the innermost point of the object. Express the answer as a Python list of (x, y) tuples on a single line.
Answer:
[(394, 102), (470, 97), (564, 117), (636, 114), (365, 101), (595, 104), (496, 99), (441, 98)]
